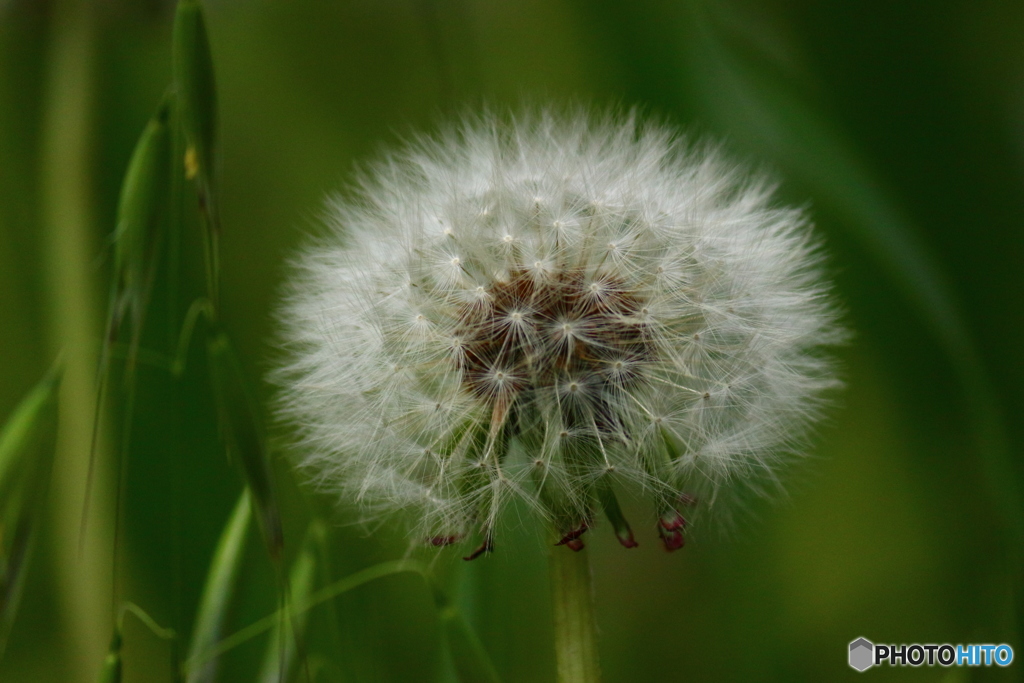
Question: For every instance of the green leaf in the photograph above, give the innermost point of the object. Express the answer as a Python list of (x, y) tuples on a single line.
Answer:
[(195, 87), (243, 432), (143, 204), (288, 637), (218, 591), (26, 460), (34, 417), (197, 112)]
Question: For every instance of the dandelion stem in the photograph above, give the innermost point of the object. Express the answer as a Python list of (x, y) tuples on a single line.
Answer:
[(572, 597)]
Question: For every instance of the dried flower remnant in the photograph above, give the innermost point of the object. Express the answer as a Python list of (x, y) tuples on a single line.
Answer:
[(550, 308)]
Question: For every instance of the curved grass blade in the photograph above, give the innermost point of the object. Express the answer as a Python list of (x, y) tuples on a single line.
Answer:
[(34, 416), (287, 641), (772, 118), (471, 661), (141, 217), (360, 578), (141, 213), (243, 433), (17, 527), (26, 460), (218, 591)]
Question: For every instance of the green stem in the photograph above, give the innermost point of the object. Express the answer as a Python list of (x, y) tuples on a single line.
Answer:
[(81, 564), (572, 597)]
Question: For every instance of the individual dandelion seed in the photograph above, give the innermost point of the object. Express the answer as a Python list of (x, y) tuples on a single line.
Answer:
[(550, 307)]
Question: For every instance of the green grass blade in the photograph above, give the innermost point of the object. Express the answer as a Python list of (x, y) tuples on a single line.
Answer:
[(195, 87), (471, 661), (34, 416), (360, 578), (197, 113), (288, 637), (26, 458), (138, 238), (18, 529), (218, 591), (320, 535), (243, 432), (141, 216), (143, 201)]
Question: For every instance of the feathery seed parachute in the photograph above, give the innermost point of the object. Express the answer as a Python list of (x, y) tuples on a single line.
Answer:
[(551, 308)]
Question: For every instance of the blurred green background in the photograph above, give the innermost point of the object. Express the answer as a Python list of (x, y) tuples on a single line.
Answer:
[(900, 125)]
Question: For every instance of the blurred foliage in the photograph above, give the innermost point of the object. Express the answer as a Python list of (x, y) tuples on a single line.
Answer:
[(901, 127)]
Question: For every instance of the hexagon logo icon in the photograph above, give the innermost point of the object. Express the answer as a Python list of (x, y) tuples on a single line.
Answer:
[(862, 654)]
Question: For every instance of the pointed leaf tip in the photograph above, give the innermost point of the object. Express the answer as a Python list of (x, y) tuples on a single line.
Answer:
[(194, 82)]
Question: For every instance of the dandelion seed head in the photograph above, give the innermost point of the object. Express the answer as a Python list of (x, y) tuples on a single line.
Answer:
[(625, 310)]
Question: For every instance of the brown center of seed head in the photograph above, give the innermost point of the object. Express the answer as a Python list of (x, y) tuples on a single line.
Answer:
[(580, 338)]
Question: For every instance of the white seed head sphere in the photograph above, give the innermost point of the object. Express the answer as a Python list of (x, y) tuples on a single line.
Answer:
[(552, 307)]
